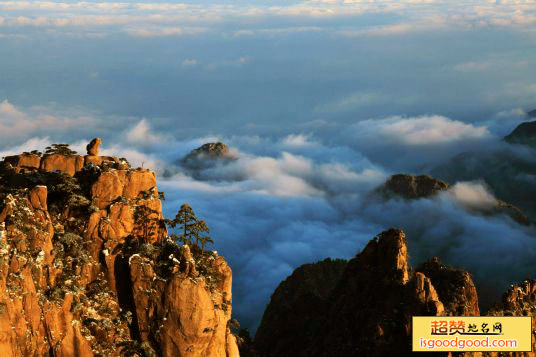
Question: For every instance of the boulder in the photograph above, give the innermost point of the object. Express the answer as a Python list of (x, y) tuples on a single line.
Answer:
[(70, 164), (93, 147), (24, 161)]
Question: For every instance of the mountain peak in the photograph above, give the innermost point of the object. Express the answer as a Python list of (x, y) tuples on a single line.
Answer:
[(412, 187)]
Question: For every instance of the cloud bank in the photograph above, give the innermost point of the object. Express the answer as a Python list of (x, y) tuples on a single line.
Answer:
[(295, 198), (414, 16), (320, 101)]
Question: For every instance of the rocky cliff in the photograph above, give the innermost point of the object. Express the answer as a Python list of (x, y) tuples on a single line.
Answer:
[(364, 307), (86, 268)]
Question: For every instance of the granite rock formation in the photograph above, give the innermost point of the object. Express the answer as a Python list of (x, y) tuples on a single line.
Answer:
[(413, 187), (93, 147), (454, 287), (210, 150), (205, 156), (86, 268), (365, 308)]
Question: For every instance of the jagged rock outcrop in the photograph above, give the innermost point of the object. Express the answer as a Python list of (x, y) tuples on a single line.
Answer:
[(67, 163), (367, 311), (454, 287), (209, 150), (93, 147), (512, 211), (86, 269), (373, 302), (411, 187)]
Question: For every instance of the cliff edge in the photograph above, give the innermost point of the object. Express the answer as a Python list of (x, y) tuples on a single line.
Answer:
[(86, 268)]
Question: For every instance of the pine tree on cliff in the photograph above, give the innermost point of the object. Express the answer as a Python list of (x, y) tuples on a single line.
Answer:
[(61, 149), (149, 222), (191, 228)]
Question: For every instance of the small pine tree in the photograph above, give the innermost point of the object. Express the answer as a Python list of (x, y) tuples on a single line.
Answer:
[(204, 241), (149, 222), (193, 231), (61, 149)]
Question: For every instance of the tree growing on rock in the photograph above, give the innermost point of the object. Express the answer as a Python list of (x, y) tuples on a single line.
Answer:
[(193, 231), (61, 149), (149, 223)]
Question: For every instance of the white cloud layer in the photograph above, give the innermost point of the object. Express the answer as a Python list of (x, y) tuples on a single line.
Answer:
[(473, 195), (294, 199), (425, 130), (412, 15), (17, 124)]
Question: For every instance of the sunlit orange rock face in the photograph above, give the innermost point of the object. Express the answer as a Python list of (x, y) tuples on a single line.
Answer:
[(123, 183), (70, 164), (86, 270)]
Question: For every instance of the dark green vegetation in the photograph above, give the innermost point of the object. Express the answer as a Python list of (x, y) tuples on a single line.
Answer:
[(193, 231), (61, 149)]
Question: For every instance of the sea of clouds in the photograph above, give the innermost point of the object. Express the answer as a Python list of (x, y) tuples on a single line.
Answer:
[(319, 101), (299, 197)]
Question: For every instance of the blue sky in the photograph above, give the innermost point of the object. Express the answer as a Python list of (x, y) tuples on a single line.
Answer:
[(320, 99)]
